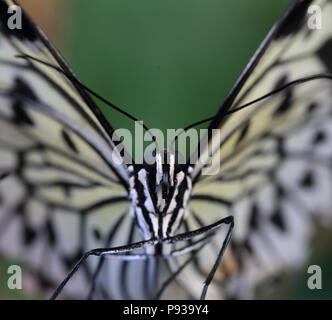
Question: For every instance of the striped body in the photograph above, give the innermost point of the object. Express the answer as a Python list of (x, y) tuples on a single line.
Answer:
[(159, 194)]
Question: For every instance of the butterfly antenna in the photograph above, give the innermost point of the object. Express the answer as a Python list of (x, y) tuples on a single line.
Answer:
[(73, 79), (171, 147), (285, 86), (273, 92)]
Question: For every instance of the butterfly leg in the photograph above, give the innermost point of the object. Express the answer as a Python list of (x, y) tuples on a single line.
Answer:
[(102, 252), (124, 257), (206, 229), (203, 230), (218, 260), (194, 248)]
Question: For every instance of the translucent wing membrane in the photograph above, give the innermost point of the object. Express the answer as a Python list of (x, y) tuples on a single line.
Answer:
[(275, 159), (63, 191)]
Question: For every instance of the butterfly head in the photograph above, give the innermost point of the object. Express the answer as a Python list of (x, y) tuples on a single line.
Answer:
[(159, 190)]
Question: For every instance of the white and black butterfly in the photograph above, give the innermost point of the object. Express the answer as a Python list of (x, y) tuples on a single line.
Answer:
[(164, 227)]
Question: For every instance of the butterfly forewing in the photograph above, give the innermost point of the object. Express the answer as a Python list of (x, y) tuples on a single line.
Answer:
[(274, 167), (64, 190)]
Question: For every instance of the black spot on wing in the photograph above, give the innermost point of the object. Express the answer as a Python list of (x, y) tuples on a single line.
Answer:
[(243, 133), (21, 117), (49, 229), (66, 189), (282, 80), (68, 140), (280, 192), (325, 54), (247, 246), (308, 180), (254, 217), (312, 107), (29, 235), (28, 30), (294, 21), (20, 91), (286, 102), (97, 234), (4, 175), (278, 220), (319, 137), (22, 88)]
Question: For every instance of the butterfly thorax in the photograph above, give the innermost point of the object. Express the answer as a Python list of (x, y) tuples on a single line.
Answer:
[(159, 191)]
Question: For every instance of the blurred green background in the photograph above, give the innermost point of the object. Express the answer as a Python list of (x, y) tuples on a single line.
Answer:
[(167, 62)]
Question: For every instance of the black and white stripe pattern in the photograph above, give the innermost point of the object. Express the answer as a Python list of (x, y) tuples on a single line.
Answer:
[(159, 194)]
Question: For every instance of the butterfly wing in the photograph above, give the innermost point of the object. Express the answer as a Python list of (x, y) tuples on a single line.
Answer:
[(271, 162), (66, 191)]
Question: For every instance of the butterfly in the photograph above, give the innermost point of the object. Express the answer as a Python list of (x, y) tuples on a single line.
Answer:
[(102, 228)]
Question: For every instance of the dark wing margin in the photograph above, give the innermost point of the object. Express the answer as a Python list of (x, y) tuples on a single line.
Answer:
[(36, 44), (32, 32), (288, 23)]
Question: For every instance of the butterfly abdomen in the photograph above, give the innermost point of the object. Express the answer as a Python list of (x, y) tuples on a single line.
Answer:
[(159, 193)]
